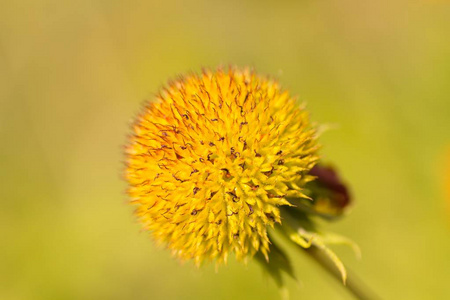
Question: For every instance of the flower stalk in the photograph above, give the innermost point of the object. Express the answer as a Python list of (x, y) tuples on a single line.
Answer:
[(353, 284)]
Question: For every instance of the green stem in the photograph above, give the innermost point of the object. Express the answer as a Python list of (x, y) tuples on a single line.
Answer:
[(353, 284)]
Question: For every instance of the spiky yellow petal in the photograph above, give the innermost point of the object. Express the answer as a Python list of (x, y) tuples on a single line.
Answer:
[(212, 158)]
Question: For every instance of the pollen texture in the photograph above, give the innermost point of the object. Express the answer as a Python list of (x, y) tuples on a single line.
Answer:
[(212, 157)]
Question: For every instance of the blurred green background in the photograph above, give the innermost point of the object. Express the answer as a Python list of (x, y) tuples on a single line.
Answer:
[(74, 73)]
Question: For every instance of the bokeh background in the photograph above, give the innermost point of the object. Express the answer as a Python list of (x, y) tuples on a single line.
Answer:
[(74, 73)]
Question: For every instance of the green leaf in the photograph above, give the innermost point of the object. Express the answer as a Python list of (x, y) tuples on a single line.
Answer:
[(330, 238), (277, 264), (299, 230), (318, 242)]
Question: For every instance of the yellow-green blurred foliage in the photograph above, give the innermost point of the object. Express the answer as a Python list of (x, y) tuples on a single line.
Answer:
[(446, 181), (73, 73)]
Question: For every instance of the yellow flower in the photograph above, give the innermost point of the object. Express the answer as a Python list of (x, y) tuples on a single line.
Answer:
[(212, 158)]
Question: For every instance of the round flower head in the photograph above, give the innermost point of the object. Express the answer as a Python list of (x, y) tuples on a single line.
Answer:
[(213, 157)]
